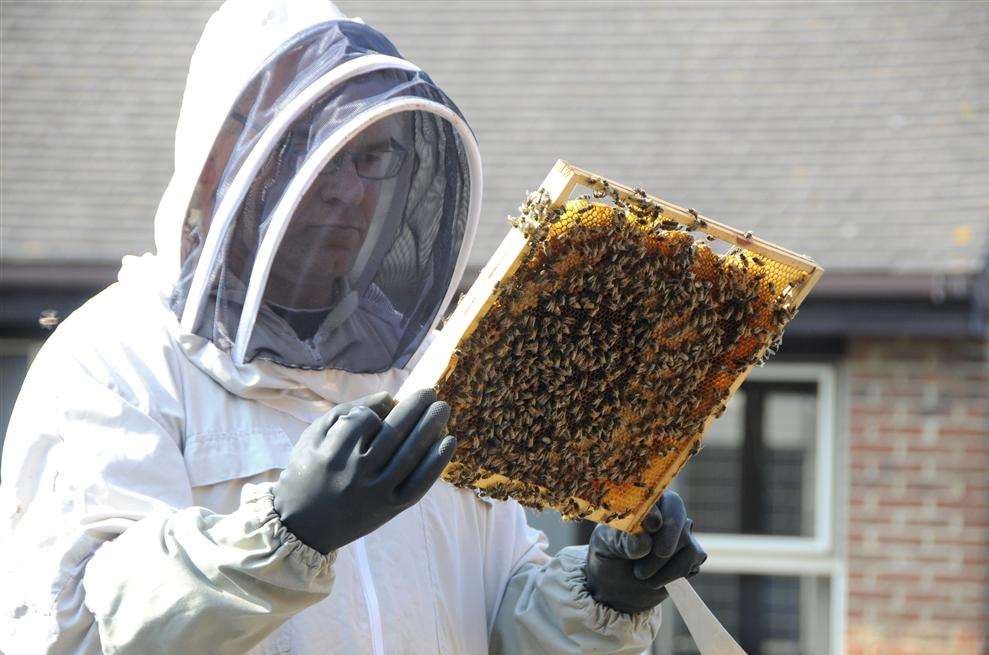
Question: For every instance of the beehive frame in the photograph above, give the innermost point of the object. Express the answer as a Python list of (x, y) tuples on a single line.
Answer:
[(440, 358)]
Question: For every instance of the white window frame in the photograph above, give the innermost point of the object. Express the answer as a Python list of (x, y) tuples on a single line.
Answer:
[(814, 556)]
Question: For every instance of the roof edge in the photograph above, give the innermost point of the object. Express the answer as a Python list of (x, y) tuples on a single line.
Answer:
[(933, 286), (61, 275)]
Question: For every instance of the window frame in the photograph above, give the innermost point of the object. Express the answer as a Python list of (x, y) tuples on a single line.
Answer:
[(761, 553)]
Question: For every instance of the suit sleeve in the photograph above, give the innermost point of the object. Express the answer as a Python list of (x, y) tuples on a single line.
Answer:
[(546, 608), (100, 550)]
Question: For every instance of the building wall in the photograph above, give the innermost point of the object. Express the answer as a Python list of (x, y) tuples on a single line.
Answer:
[(918, 526)]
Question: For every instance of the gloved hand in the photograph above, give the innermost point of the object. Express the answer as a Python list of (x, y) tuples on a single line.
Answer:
[(361, 464), (628, 572)]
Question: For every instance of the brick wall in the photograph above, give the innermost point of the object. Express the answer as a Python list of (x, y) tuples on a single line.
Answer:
[(918, 516)]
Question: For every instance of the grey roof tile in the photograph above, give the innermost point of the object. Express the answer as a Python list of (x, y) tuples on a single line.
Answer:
[(90, 94), (856, 133)]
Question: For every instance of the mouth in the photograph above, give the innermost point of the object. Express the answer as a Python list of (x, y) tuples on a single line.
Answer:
[(335, 227), (337, 218), (333, 236)]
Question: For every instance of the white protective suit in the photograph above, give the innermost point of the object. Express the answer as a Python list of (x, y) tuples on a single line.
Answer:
[(136, 499)]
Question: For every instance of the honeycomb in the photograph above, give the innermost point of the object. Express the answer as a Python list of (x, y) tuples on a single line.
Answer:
[(603, 354)]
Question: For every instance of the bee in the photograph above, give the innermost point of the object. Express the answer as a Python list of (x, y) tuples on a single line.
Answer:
[(49, 318), (748, 234)]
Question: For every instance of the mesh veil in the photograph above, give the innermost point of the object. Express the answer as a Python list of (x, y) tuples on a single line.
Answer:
[(369, 253)]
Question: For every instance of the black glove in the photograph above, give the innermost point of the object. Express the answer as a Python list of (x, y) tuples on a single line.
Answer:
[(358, 466), (628, 572)]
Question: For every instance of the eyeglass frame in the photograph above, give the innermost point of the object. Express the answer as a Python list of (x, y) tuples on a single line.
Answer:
[(336, 162)]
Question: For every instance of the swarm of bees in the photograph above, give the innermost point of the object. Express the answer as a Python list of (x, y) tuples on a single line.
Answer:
[(606, 351)]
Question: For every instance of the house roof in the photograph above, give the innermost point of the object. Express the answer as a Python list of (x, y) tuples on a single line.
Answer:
[(855, 133), (90, 96)]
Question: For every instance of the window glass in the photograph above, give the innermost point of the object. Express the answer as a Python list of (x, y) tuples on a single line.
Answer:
[(13, 368), (756, 471), (710, 482), (789, 433), (560, 533)]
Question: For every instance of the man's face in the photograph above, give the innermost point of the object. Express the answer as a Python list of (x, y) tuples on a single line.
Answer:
[(332, 220)]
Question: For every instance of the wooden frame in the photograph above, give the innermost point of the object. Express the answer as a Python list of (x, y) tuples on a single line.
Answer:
[(439, 359)]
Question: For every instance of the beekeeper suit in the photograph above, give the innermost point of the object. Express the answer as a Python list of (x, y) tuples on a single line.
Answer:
[(324, 198)]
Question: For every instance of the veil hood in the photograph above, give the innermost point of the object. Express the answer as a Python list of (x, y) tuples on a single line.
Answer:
[(277, 92)]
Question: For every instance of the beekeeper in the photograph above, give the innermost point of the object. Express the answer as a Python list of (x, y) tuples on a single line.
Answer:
[(187, 469)]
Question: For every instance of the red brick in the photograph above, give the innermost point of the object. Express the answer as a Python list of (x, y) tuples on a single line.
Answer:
[(929, 597), (979, 433), (965, 465), (898, 430), (886, 539), (976, 560), (859, 447), (916, 449), (859, 409), (969, 576), (899, 615), (957, 614), (912, 578), (915, 500), (881, 594), (871, 486), (931, 559), (964, 503), (938, 521)]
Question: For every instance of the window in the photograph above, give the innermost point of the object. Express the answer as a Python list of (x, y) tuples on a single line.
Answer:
[(760, 493)]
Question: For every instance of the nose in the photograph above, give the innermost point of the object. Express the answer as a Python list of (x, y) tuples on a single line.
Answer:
[(343, 184)]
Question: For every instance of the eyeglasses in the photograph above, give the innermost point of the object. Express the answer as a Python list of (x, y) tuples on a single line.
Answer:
[(380, 163)]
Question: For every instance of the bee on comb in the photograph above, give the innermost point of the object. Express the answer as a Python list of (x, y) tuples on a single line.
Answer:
[(599, 342)]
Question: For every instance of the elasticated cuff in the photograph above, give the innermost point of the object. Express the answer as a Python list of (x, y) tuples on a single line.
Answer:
[(599, 617), (260, 499)]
